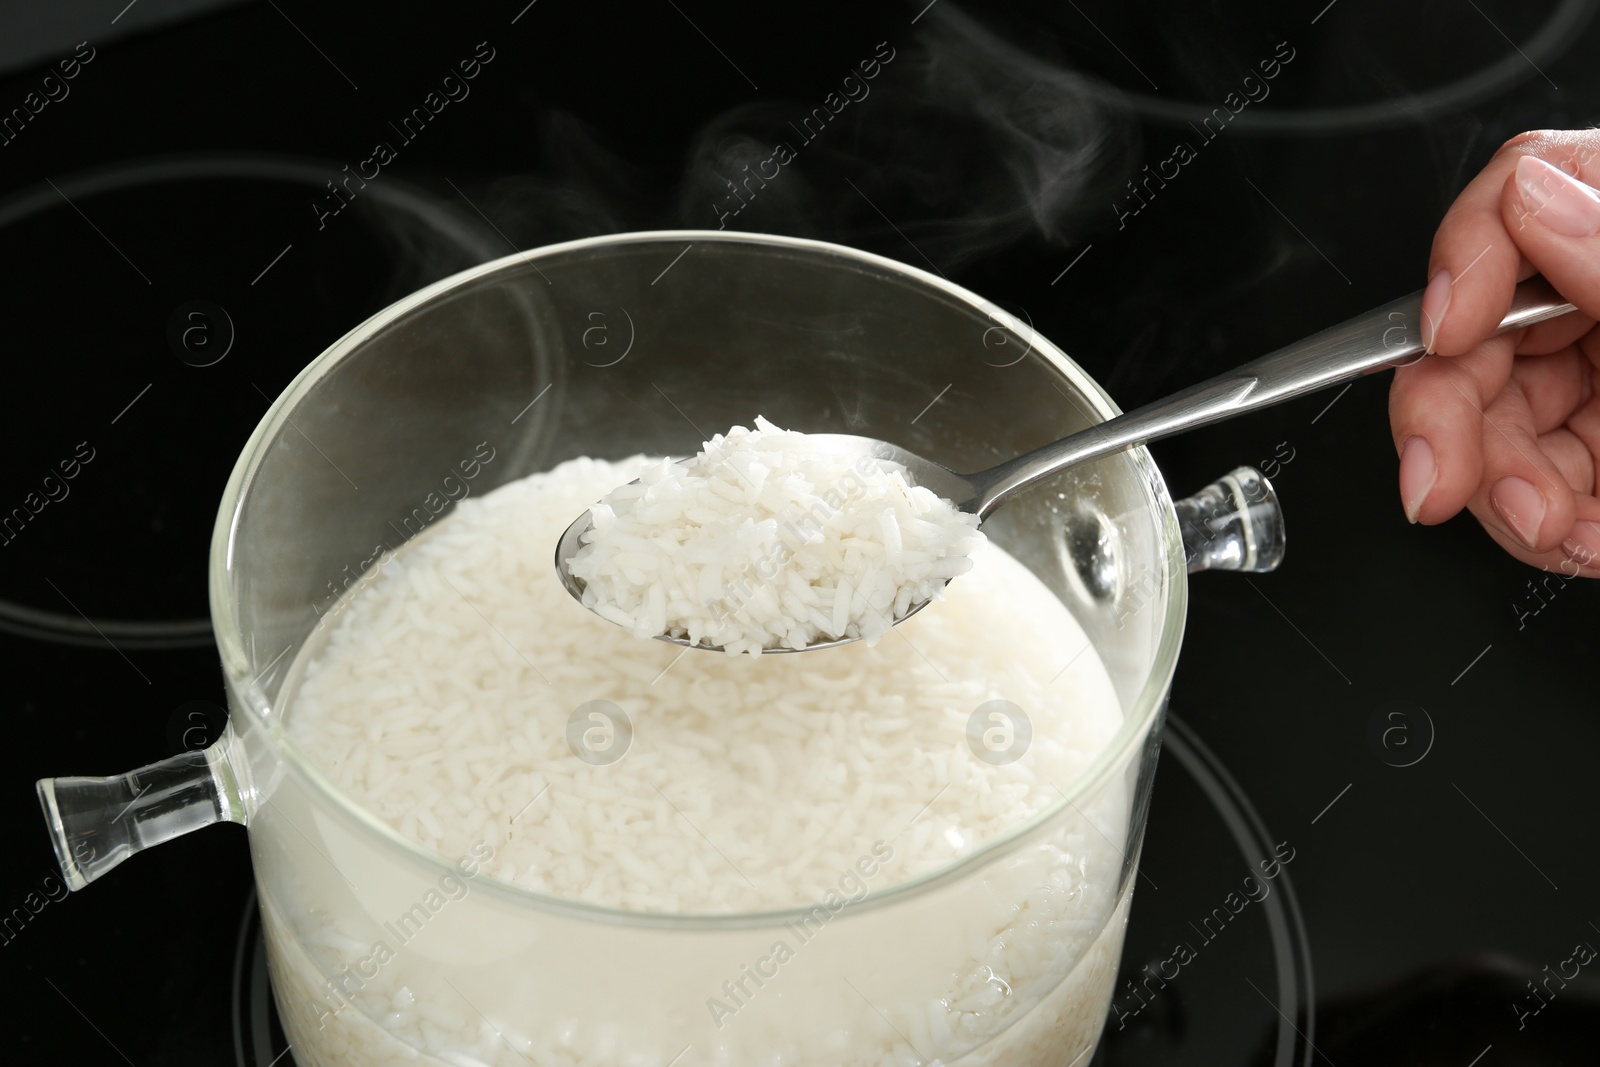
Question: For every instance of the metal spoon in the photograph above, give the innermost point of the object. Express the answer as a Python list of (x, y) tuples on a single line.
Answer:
[(1386, 336)]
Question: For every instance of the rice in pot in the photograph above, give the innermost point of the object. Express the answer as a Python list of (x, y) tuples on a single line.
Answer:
[(454, 696)]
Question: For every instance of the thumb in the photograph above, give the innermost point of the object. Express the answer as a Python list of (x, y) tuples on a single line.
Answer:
[(1554, 219)]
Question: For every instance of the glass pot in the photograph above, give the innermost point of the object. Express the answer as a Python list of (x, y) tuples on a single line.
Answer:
[(628, 344)]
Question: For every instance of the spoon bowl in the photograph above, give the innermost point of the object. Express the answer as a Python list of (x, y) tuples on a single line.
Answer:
[(919, 471)]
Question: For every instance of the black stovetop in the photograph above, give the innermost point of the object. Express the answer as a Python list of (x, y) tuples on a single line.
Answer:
[(1397, 705)]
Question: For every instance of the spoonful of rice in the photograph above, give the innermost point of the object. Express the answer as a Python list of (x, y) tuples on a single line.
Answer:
[(769, 540)]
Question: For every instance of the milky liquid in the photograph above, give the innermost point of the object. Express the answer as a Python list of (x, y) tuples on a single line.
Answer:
[(439, 697)]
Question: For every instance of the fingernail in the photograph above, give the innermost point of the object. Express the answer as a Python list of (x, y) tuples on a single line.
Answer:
[(1520, 506), (1557, 199), (1583, 547), (1417, 475), (1435, 302)]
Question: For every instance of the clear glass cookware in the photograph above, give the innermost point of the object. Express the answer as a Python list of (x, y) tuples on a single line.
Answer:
[(383, 952)]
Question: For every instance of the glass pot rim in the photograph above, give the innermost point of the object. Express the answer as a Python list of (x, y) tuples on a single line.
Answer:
[(250, 696)]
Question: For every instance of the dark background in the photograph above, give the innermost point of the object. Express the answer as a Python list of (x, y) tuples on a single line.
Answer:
[(994, 148)]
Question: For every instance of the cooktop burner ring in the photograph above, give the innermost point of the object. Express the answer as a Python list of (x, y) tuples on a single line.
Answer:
[(66, 629), (1291, 946), (73, 628), (1547, 44)]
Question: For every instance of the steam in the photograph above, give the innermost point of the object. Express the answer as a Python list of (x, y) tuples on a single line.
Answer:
[(962, 142), (583, 188), (935, 149)]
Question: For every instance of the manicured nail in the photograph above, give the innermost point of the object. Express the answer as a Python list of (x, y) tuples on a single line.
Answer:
[(1435, 302), (1583, 547), (1557, 199), (1520, 506), (1417, 475)]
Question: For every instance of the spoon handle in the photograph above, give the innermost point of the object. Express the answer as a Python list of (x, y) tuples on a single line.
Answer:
[(1386, 336)]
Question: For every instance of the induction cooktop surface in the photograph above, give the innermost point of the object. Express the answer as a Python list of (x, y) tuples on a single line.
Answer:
[(1405, 717)]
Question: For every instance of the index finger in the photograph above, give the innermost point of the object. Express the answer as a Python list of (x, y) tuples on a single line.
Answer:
[(1476, 262)]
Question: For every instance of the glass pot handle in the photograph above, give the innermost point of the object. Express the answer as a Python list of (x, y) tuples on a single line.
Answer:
[(96, 823), (1233, 524)]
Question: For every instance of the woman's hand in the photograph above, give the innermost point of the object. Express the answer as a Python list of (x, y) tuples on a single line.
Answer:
[(1509, 426)]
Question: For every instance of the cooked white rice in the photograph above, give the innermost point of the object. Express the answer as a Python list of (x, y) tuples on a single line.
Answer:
[(440, 696), (762, 540)]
